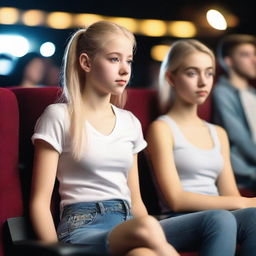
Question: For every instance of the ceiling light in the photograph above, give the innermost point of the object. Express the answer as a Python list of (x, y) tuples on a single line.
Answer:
[(216, 19)]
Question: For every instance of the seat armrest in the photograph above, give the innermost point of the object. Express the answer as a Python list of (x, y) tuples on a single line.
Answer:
[(22, 241), (34, 247), (19, 229)]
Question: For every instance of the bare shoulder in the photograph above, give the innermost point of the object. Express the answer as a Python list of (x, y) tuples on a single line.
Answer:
[(221, 131), (159, 132), (222, 134), (159, 127)]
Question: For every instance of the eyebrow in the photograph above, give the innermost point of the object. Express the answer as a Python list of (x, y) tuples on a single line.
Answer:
[(118, 53), (196, 68)]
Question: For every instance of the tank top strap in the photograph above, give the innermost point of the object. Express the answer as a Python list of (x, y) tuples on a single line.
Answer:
[(214, 134), (177, 134)]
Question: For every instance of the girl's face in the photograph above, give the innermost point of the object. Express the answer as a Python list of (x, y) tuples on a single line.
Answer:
[(110, 69), (193, 80)]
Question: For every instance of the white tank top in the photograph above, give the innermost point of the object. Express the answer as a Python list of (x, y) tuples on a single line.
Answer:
[(197, 168)]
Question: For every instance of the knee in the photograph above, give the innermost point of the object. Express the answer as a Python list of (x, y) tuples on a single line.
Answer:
[(221, 220)]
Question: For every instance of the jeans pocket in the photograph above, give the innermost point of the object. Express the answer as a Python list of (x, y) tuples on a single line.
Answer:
[(72, 222), (77, 220)]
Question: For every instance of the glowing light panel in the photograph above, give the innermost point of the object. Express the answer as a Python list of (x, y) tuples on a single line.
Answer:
[(158, 52), (47, 49), (14, 45), (216, 19)]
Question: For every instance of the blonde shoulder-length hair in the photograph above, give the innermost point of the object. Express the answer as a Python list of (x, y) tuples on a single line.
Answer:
[(88, 40), (172, 62)]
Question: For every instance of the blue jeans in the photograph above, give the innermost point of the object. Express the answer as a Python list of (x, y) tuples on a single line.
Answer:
[(90, 223), (213, 232)]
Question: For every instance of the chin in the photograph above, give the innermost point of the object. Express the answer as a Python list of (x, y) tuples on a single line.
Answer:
[(118, 91), (200, 102)]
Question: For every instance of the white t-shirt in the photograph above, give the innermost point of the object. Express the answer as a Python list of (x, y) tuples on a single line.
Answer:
[(102, 172)]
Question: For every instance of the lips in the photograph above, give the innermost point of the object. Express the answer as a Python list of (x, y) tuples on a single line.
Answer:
[(201, 93), (121, 82)]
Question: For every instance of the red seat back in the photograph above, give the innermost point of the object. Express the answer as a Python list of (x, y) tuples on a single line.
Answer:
[(143, 104), (31, 102), (10, 190)]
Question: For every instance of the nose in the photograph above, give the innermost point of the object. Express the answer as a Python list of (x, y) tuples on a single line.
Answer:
[(201, 80), (124, 68)]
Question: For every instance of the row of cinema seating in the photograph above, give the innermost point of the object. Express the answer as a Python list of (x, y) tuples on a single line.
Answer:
[(19, 110)]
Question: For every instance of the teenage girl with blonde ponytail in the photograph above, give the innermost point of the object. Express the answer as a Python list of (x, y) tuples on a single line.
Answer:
[(91, 146)]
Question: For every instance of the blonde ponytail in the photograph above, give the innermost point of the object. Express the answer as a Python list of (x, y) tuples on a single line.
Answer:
[(73, 93), (164, 88)]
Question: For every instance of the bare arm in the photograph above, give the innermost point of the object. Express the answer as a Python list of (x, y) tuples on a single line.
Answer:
[(160, 150), (138, 207), (44, 174), (226, 182)]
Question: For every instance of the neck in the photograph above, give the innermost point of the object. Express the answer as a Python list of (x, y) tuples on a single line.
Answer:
[(96, 102), (238, 81), (184, 113)]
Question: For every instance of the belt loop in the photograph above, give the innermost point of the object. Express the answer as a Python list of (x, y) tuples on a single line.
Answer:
[(101, 207), (127, 208)]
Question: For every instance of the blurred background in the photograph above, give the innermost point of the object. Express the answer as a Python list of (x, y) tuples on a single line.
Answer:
[(43, 27)]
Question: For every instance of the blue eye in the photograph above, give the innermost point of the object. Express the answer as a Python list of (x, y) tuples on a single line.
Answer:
[(130, 62), (192, 73), (114, 59), (210, 74)]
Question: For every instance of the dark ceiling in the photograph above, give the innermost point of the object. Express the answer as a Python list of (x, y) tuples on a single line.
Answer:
[(158, 9), (163, 9)]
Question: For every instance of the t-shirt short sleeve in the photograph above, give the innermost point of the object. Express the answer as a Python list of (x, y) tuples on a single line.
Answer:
[(50, 126), (139, 142)]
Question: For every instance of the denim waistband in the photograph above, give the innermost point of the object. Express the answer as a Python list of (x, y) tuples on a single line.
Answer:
[(99, 206)]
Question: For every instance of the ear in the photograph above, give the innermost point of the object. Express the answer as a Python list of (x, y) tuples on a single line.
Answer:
[(228, 61), (169, 78), (85, 62)]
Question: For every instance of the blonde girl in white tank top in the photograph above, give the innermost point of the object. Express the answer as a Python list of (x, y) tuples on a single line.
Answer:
[(191, 173)]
